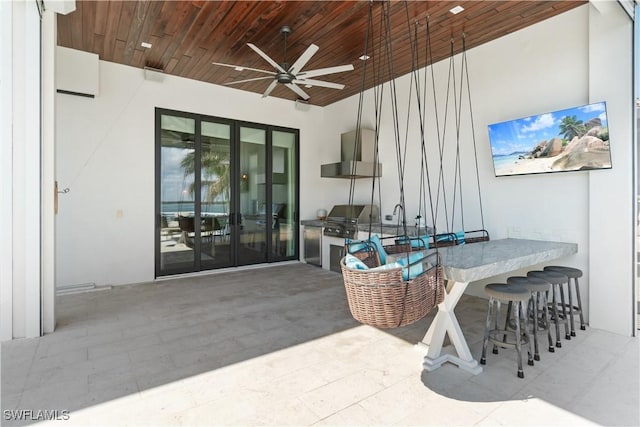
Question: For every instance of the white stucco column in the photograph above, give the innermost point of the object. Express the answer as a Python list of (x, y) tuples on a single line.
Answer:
[(611, 195), (6, 172), (26, 159)]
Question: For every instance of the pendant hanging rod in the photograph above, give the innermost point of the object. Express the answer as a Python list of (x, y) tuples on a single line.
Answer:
[(424, 163), (441, 143), (458, 167), (473, 132)]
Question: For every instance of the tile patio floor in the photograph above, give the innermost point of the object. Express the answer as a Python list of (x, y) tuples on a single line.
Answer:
[(277, 346)]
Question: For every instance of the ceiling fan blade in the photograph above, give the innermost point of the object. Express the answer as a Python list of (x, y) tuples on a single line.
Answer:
[(324, 71), (297, 90), (266, 57), (248, 80), (319, 83), (244, 68), (303, 59), (270, 88)]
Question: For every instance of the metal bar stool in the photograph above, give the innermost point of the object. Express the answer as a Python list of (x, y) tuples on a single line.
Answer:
[(571, 273), (499, 293), (556, 280), (538, 288)]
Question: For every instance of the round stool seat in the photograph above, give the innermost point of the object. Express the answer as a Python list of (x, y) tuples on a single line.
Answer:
[(532, 284), (505, 292), (552, 277), (568, 271)]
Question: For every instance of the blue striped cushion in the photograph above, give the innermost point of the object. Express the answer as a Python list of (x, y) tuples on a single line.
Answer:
[(353, 262)]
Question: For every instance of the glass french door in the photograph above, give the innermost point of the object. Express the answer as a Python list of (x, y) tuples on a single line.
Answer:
[(215, 191), (226, 193), (194, 183), (252, 200), (177, 236), (284, 187)]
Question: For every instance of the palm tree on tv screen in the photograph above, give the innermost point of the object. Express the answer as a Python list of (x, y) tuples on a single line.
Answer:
[(571, 127)]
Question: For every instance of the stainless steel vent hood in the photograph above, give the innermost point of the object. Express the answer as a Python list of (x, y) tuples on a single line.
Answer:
[(360, 166)]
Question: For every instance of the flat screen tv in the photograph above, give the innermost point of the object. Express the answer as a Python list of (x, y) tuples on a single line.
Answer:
[(575, 139)]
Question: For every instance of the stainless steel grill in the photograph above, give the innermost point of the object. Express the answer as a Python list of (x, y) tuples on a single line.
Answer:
[(343, 220)]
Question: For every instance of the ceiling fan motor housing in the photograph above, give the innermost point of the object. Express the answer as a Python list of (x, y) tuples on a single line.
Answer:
[(285, 30), (285, 78)]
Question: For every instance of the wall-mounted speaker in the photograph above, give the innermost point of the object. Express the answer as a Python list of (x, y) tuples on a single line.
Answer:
[(153, 74)]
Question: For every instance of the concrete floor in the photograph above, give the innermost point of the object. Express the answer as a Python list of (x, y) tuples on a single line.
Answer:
[(277, 346)]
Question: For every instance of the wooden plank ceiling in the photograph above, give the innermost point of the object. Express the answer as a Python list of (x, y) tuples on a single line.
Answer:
[(187, 36)]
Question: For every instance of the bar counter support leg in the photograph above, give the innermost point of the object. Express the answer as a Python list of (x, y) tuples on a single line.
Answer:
[(445, 323)]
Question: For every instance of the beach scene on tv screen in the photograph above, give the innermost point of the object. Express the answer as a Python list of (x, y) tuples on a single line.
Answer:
[(567, 140)]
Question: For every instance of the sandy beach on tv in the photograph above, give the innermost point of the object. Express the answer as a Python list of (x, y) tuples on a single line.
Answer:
[(576, 157), (526, 166)]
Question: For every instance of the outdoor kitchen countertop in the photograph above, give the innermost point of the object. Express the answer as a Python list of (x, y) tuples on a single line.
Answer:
[(313, 222), (389, 229)]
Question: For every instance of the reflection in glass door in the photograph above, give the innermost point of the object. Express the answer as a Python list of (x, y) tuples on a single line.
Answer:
[(177, 205), (252, 209), (215, 182), (283, 194), (195, 195)]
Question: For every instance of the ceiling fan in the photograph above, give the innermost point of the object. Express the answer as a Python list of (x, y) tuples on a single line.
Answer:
[(291, 76)]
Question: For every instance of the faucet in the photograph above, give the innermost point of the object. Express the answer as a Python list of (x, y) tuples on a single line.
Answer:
[(396, 208)]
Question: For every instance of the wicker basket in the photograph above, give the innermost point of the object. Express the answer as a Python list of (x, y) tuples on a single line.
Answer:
[(382, 299)]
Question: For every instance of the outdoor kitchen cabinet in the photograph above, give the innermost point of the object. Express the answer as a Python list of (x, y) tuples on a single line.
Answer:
[(312, 236)]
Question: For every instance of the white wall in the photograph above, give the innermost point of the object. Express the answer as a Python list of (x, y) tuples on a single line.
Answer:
[(514, 76), (105, 156), (524, 73)]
